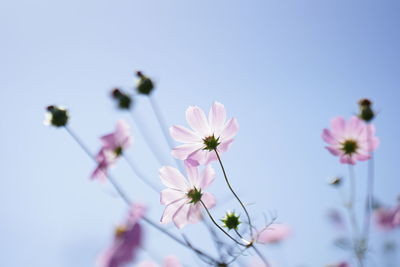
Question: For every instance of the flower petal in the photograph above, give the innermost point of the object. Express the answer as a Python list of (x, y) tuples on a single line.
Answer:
[(197, 120), (192, 174), (338, 126), (230, 130), (207, 177), (217, 117), (184, 135), (169, 195), (180, 217), (182, 152), (173, 178), (170, 210), (327, 137), (172, 261), (194, 213), (208, 200)]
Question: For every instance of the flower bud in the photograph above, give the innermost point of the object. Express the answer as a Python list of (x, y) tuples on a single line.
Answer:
[(144, 85), (124, 100), (56, 116), (365, 110), (336, 181), (231, 220)]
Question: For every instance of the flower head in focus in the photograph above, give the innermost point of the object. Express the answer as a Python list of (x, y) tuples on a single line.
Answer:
[(56, 116), (388, 218), (273, 234), (182, 197), (127, 239), (207, 135), (170, 261), (113, 146), (351, 140)]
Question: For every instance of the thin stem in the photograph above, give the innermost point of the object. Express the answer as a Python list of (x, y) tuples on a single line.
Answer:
[(260, 255), (370, 190), (219, 227), (163, 126), (153, 149), (141, 175), (233, 192), (126, 199)]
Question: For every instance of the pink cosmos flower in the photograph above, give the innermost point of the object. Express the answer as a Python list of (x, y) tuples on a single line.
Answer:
[(388, 218), (170, 261), (182, 197), (207, 134), (128, 238), (273, 234), (113, 146), (349, 139)]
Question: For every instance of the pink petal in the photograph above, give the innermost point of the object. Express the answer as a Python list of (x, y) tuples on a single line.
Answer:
[(182, 152), (200, 156), (192, 174), (217, 117), (99, 174), (334, 151), (172, 261), (361, 157), (327, 137), (183, 135), (338, 126), (207, 177), (171, 209), (208, 199), (122, 134), (173, 178), (197, 120), (224, 146), (354, 126), (194, 214), (230, 130), (274, 233), (180, 218), (346, 159), (148, 264), (169, 195)]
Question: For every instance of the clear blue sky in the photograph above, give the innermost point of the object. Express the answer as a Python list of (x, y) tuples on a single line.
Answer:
[(283, 68)]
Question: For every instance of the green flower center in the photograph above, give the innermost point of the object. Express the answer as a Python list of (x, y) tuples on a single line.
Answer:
[(118, 151), (211, 143), (349, 147), (231, 221), (194, 195)]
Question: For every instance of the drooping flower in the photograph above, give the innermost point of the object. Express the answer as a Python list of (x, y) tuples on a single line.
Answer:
[(113, 146), (170, 261), (273, 234), (183, 196), (351, 140), (207, 134), (127, 239), (388, 218)]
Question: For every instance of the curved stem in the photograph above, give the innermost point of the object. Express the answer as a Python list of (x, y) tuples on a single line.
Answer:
[(260, 255), (219, 227), (152, 148), (140, 175), (126, 199), (233, 192), (163, 126)]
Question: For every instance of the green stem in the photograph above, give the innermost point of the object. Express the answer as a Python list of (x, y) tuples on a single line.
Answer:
[(233, 192), (219, 227)]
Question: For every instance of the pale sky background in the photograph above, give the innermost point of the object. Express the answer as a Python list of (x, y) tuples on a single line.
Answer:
[(282, 68)]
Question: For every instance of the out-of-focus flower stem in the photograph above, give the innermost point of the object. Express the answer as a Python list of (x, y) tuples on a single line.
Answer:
[(140, 175), (233, 192), (126, 199)]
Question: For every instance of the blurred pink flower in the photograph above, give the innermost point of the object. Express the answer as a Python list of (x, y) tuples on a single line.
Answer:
[(388, 218), (349, 140), (182, 197), (170, 261), (341, 264), (113, 146), (127, 239), (336, 218), (274, 233), (206, 135)]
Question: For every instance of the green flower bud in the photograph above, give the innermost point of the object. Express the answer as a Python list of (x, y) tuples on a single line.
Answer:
[(365, 110), (144, 86), (336, 181), (124, 100), (231, 220), (56, 116)]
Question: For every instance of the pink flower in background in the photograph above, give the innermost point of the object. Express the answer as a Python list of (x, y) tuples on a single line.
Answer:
[(336, 218), (127, 239), (170, 261), (341, 264), (349, 139), (113, 146), (388, 218), (207, 134), (273, 234), (183, 196)]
